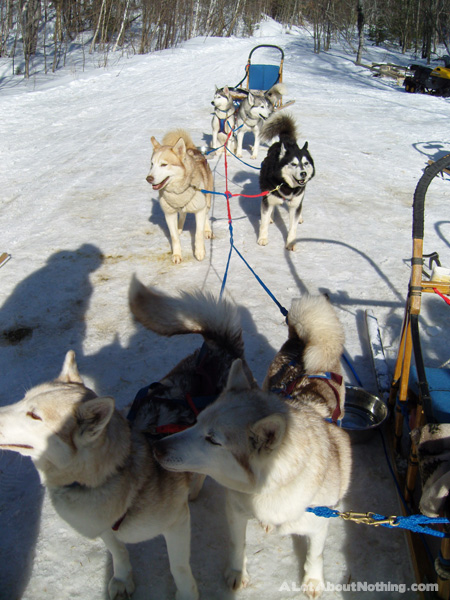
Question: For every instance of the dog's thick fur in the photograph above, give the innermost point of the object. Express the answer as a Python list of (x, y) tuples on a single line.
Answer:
[(179, 172), (223, 120), (201, 375), (275, 452), (253, 111), (284, 173), (101, 474)]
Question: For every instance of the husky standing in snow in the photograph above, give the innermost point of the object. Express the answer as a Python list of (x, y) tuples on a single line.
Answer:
[(284, 173), (277, 449), (179, 172)]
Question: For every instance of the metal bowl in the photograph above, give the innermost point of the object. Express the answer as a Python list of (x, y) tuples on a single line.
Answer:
[(364, 413)]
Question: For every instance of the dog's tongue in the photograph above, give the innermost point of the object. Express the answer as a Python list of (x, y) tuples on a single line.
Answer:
[(158, 186)]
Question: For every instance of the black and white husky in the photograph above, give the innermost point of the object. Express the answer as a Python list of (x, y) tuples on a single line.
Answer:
[(284, 173)]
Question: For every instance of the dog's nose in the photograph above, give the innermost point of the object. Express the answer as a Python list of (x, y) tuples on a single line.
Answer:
[(150, 179), (302, 175)]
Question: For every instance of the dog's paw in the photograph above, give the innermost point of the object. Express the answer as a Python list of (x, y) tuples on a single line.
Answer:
[(239, 154), (290, 246), (313, 588), (199, 254), (191, 594), (209, 235), (253, 156), (176, 259), (121, 590), (236, 579), (267, 528), (300, 220), (263, 241)]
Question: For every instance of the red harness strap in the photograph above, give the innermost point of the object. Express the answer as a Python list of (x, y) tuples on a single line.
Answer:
[(328, 378)]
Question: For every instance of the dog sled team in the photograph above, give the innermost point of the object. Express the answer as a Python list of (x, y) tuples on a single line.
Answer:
[(182, 176), (275, 450)]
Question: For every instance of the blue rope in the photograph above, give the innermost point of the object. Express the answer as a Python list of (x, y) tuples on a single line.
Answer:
[(355, 374), (416, 523)]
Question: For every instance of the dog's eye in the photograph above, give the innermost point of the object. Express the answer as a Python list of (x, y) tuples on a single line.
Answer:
[(163, 164), (33, 415), (209, 438)]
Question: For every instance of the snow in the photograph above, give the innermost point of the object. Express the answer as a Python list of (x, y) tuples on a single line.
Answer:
[(79, 219)]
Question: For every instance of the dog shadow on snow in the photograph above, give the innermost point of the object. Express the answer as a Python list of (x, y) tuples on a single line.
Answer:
[(39, 321)]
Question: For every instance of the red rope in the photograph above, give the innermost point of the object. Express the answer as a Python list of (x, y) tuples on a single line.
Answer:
[(444, 298)]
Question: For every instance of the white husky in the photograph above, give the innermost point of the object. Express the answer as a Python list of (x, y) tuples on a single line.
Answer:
[(101, 474), (274, 449)]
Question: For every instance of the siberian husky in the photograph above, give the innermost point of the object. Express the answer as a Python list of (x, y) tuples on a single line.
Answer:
[(101, 474), (254, 109), (173, 403), (99, 467), (274, 448), (223, 121), (182, 176), (284, 173)]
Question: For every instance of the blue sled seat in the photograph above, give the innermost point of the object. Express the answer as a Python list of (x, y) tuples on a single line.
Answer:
[(439, 386), (263, 77)]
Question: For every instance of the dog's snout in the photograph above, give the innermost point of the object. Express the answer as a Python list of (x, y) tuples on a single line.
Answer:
[(303, 174), (150, 179)]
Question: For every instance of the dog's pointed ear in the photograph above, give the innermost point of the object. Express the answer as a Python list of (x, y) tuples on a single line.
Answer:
[(268, 433), (282, 151), (226, 90), (237, 379), (69, 372), (155, 143), (93, 416), (305, 147), (251, 99), (180, 148)]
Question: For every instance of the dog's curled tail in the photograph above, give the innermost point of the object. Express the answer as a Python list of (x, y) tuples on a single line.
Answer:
[(191, 312), (172, 137), (279, 125), (316, 323)]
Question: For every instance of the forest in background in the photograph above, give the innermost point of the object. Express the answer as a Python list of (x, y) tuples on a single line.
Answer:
[(50, 27)]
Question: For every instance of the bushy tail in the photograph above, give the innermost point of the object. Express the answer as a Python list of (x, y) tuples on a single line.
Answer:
[(279, 125), (192, 312), (316, 323), (172, 137)]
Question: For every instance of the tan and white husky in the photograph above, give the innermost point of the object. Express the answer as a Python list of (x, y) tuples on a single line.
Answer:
[(101, 474), (275, 449), (179, 172)]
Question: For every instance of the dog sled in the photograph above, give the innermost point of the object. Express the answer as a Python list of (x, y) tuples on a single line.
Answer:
[(261, 76), (421, 396)]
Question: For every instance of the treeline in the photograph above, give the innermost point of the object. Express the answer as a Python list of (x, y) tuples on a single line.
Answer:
[(141, 26)]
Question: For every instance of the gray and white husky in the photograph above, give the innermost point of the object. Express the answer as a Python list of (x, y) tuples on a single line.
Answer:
[(284, 173), (275, 448), (98, 466), (253, 111), (223, 120)]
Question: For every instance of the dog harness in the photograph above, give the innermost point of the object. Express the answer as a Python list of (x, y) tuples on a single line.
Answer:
[(205, 394), (331, 379)]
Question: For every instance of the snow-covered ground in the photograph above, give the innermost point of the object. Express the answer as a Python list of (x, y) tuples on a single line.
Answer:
[(79, 219)]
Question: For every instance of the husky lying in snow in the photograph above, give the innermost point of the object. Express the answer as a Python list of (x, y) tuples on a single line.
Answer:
[(273, 448), (252, 113), (284, 173), (179, 172)]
